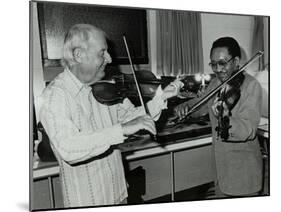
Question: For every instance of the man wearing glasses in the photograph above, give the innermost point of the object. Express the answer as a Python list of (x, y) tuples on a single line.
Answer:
[(236, 152)]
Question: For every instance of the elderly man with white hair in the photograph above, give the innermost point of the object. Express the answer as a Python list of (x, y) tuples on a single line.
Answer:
[(84, 133)]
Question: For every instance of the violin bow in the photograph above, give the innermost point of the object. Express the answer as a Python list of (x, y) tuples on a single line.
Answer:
[(145, 110), (135, 78)]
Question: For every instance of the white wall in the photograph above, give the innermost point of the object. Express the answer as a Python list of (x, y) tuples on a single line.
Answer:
[(217, 25)]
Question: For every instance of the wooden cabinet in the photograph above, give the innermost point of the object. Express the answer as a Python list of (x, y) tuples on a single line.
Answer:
[(154, 181), (151, 174), (41, 195), (193, 167), (168, 173), (47, 193)]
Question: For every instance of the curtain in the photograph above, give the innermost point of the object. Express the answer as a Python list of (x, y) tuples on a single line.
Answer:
[(179, 43), (258, 39)]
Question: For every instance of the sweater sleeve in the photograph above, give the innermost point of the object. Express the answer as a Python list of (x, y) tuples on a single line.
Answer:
[(203, 108), (245, 121), (127, 111), (66, 139)]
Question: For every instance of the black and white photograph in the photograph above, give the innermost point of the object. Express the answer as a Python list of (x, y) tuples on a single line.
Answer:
[(138, 106)]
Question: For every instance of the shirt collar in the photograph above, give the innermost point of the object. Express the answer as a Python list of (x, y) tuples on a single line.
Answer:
[(73, 84)]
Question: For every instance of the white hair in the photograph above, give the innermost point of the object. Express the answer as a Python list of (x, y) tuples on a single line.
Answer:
[(78, 36)]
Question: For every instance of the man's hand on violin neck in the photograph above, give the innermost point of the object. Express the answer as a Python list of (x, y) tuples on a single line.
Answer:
[(219, 105), (172, 89), (140, 123), (181, 110)]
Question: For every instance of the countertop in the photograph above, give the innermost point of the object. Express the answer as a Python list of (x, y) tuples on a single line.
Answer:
[(172, 138)]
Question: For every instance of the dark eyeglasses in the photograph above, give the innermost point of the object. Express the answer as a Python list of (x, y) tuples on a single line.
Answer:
[(221, 63)]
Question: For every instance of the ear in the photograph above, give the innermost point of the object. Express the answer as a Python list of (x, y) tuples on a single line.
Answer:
[(236, 61), (77, 54)]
